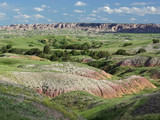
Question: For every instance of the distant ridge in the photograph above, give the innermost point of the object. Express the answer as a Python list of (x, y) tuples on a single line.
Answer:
[(98, 27)]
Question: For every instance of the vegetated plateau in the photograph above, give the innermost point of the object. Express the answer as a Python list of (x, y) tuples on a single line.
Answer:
[(79, 74)]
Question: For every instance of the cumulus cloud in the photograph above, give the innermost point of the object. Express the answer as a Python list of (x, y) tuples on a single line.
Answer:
[(93, 15), (88, 19), (38, 9), (3, 4), (133, 19), (43, 6), (16, 10), (22, 16), (65, 14), (54, 11), (79, 3), (117, 4), (106, 20), (49, 20), (38, 16), (79, 11), (2, 16), (133, 10)]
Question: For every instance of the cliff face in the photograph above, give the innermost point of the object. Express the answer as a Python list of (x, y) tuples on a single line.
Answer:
[(99, 27)]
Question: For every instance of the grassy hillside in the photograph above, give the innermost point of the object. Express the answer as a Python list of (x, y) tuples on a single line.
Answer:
[(18, 102), (74, 62)]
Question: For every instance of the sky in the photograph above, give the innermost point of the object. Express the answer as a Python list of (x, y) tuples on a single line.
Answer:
[(87, 11)]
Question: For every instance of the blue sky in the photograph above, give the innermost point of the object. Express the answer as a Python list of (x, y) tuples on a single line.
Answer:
[(90, 11)]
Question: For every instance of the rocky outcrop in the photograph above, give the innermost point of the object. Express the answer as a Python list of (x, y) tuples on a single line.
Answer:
[(141, 62), (99, 27), (53, 84)]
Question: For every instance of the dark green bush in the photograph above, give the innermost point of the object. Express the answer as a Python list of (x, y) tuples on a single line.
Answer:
[(33, 51), (17, 51), (46, 49), (155, 41), (141, 50), (121, 52), (54, 57), (127, 44), (4, 49), (9, 46), (74, 52)]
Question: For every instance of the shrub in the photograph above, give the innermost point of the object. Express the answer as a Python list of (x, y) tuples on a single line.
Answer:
[(102, 54), (17, 50), (85, 52), (4, 49), (155, 41), (54, 57), (33, 51), (121, 52), (46, 49), (74, 52), (9, 46), (127, 44), (141, 50)]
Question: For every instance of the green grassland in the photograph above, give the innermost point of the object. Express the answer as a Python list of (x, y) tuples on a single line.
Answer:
[(19, 103)]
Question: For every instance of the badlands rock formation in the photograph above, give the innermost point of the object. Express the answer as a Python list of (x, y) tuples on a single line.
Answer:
[(99, 27), (141, 62), (52, 84), (59, 78)]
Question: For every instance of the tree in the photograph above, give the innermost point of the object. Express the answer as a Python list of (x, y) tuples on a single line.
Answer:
[(46, 49)]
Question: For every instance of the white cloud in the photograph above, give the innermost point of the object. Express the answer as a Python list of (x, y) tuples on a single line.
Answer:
[(93, 15), (79, 11), (43, 6), (106, 20), (3, 4), (26, 21), (141, 3), (38, 9), (65, 14), (133, 10), (79, 3), (54, 11), (88, 19), (49, 20), (16, 10), (117, 4), (133, 19), (22, 16), (38, 16), (2, 16)]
